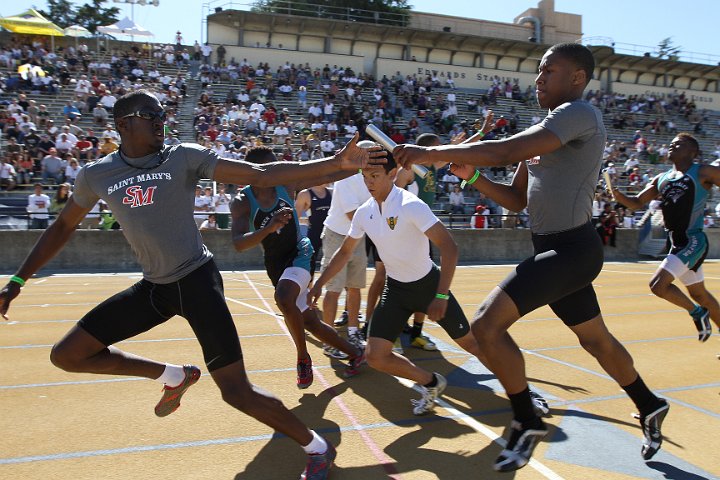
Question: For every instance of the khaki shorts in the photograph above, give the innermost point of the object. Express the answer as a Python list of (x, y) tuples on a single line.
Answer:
[(353, 274)]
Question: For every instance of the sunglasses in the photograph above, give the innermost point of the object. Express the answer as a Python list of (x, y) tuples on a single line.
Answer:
[(149, 115)]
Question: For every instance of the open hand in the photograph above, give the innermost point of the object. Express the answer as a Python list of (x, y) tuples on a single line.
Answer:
[(353, 157)]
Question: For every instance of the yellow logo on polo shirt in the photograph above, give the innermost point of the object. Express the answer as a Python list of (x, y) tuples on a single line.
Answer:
[(392, 221)]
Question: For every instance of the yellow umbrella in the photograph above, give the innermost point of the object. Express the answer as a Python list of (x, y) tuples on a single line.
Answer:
[(31, 22)]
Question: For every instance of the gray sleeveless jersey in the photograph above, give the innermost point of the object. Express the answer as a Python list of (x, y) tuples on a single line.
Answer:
[(152, 198), (561, 184)]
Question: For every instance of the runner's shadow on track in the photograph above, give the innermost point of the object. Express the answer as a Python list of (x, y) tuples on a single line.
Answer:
[(413, 452), (673, 473), (281, 457)]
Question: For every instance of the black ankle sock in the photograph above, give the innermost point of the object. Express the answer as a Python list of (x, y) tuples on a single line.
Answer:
[(416, 330), (522, 407), (433, 382), (642, 397)]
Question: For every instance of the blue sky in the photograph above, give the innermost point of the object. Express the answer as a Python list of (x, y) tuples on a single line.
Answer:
[(692, 25)]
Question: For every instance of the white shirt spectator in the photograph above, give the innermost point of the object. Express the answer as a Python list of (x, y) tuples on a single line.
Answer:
[(38, 206), (108, 101), (315, 111), (350, 130), (348, 195), (327, 146)]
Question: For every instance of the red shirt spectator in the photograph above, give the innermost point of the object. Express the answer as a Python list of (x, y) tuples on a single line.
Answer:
[(270, 116), (397, 137)]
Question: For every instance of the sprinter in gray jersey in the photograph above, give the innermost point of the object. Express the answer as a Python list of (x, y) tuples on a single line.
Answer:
[(149, 189), (557, 185)]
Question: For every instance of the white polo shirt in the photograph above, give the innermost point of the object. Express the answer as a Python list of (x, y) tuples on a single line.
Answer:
[(398, 233), (348, 194)]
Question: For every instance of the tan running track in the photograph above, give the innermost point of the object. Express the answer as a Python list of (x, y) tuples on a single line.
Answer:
[(58, 425)]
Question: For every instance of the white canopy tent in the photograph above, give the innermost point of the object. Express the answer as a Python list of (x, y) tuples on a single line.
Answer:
[(126, 27)]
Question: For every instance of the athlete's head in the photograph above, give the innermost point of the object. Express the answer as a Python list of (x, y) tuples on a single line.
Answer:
[(379, 181), (140, 121), (427, 140), (260, 155), (564, 72), (683, 148)]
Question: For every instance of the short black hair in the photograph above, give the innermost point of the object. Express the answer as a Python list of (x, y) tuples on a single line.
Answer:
[(693, 141), (427, 139), (579, 54), (260, 155), (131, 102), (390, 164)]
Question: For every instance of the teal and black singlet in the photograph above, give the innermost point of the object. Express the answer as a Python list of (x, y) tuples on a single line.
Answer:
[(285, 248), (683, 207)]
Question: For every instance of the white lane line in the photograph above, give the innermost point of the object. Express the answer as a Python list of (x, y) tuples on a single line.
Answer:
[(480, 428)]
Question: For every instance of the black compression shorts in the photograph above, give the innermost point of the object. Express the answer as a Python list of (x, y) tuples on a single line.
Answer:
[(559, 275), (399, 300), (198, 297)]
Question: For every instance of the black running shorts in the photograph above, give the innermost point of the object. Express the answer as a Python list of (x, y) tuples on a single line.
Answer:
[(198, 297), (399, 300), (559, 275)]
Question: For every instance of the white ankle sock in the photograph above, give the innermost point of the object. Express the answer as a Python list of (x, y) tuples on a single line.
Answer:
[(352, 330), (172, 376), (317, 445)]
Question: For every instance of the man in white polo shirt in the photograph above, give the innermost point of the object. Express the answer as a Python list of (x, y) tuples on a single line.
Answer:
[(399, 222)]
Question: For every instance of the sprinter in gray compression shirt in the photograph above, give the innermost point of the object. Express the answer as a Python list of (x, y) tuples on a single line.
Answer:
[(559, 161), (150, 191)]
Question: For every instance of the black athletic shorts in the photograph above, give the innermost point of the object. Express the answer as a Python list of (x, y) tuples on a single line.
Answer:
[(198, 297), (559, 275), (399, 300)]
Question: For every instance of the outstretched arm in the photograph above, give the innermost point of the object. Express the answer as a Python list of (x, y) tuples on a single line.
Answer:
[(513, 196), (709, 176), (636, 201), (532, 142), (343, 164), (48, 245)]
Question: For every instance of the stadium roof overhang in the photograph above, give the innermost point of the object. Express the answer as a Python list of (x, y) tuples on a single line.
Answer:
[(278, 23), (605, 57)]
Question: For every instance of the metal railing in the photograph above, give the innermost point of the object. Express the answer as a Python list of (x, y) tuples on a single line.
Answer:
[(642, 50), (347, 14)]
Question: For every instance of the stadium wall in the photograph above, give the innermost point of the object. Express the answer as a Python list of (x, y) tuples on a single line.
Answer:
[(464, 77), (277, 57), (708, 100), (94, 250)]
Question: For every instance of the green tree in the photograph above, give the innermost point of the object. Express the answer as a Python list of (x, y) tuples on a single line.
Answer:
[(89, 15), (94, 15), (60, 12), (392, 12), (667, 50)]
